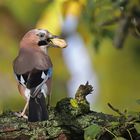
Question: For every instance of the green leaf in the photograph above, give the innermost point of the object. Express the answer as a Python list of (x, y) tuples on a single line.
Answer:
[(92, 131), (137, 127), (74, 103)]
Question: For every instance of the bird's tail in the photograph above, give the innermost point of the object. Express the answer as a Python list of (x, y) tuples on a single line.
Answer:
[(37, 108)]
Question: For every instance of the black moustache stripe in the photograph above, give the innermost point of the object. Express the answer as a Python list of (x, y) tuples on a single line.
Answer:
[(42, 42)]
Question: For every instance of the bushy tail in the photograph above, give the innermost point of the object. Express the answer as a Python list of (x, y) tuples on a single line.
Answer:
[(37, 109)]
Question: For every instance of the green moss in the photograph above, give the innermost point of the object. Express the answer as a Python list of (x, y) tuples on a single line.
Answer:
[(76, 123)]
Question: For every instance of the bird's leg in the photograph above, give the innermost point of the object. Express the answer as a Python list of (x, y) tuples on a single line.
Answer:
[(24, 110), (22, 114), (22, 91)]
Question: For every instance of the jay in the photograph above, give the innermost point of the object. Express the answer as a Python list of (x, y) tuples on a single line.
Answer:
[(33, 71)]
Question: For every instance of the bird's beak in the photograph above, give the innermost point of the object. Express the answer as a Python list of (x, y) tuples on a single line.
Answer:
[(58, 42)]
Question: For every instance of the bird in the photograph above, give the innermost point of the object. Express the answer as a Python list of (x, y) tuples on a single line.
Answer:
[(33, 72)]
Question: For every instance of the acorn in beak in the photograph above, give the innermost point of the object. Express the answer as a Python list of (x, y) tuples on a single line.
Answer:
[(57, 42)]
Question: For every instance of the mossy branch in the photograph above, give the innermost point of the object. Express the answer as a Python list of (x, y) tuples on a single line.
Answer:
[(72, 119)]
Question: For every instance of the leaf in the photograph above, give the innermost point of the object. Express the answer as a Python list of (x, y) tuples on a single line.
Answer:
[(137, 127), (92, 131), (74, 102)]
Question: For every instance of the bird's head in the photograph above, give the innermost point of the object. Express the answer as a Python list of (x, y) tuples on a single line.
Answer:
[(42, 39)]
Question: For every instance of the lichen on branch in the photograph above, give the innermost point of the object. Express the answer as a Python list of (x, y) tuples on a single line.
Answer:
[(72, 119)]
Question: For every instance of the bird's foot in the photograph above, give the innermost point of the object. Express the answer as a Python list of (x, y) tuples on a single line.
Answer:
[(20, 115)]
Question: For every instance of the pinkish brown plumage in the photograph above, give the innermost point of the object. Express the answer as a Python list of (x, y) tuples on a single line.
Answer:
[(33, 71)]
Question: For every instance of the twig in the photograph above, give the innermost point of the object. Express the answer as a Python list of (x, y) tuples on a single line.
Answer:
[(110, 132), (115, 109), (129, 134), (110, 22), (122, 31)]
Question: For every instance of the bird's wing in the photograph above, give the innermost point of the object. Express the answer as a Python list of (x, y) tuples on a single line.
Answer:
[(34, 78), (30, 59), (32, 69)]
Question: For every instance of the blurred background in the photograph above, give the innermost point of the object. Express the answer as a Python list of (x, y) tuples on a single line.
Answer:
[(103, 48)]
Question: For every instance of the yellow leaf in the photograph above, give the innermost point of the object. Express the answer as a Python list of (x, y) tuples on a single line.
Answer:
[(74, 103)]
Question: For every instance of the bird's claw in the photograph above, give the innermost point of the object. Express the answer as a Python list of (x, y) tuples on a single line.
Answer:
[(21, 115)]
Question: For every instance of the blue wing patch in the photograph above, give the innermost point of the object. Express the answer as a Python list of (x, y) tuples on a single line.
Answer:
[(32, 80)]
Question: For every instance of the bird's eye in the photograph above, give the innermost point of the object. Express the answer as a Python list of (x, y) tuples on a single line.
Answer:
[(41, 35)]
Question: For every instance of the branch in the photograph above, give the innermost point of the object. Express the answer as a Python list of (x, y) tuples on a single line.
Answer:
[(72, 119)]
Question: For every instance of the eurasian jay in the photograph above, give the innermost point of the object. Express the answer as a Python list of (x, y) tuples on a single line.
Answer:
[(33, 71)]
